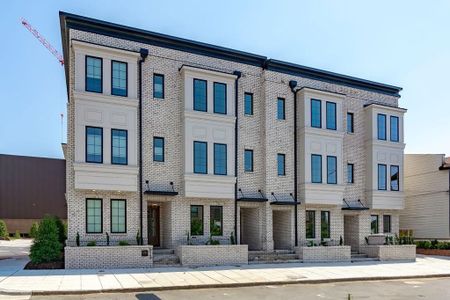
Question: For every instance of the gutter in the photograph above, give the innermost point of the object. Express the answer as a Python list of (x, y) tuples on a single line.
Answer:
[(236, 113), (293, 85), (144, 54)]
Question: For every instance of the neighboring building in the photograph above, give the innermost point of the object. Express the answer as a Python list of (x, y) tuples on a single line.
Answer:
[(427, 200), (229, 142), (30, 188)]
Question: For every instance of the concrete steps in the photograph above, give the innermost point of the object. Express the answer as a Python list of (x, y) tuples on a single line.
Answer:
[(361, 257), (165, 258), (277, 256)]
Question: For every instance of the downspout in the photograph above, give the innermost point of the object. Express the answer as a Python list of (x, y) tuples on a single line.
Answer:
[(293, 85), (236, 111), (144, 54)]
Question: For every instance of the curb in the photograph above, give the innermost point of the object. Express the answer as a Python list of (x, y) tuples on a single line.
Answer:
[(229, 285)]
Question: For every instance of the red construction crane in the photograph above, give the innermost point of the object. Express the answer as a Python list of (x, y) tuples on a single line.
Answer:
[(43, 41)]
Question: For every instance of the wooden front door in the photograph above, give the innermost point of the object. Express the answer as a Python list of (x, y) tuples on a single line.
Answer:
[(153, 226)]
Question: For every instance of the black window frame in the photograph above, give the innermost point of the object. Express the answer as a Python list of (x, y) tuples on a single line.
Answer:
[(86, 145), (202, 220), (279, 155), (245, 160), (389, 229), (352, 167), (163, 148), (206, 158), (378, 127), (335, 115), (214, 98), (327, 212), (101, 216), (398, 178), (328, 169), (351, 122), (126, 147), (214, 158), (377, 219), (211, 207), (313, 213), (111, 215), (126, 78), (320, 112), (206, 94), (385, 177), (85, 74), (397, 129), (163, 85), (282, 100), (321, 164), (245, 104)]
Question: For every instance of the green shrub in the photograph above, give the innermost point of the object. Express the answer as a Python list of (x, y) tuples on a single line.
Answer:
[(123, 243), (61, 229), (91, 244), (34, 230), (3, 229), (46, 246), (423, 244), (17, 235)]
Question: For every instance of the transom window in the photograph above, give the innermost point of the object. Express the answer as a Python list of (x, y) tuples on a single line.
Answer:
[(196, 219), (248, 104), (248, 160), (94, 216), (316, 113), (200, 157), (316, 168), (119, 146), (200, 95), (94, 78), (281, 164), (381, 126), (331, 115), (158, 86), (394, 129), (386, 223), (395, 178), (331, 169), (325, 225), (220, 159), (350, 123), (158, 149), (281, 115), (118, 216), (216, 220), (310, 224), (374, 224), (350, 170), (220, 98), (119, 78), (382, 174), (94, 144)]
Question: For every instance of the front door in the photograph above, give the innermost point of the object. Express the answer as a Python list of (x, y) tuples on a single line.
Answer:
[(153, 226)]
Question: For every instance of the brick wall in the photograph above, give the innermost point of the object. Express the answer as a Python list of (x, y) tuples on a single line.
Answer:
[(324, 254), (212, 255), (390, 252)]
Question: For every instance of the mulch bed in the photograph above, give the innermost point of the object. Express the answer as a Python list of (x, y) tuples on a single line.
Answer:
[(43, 266), (440, 252)]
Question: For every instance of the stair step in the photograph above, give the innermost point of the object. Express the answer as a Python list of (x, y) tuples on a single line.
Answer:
[(273, 257), (158, 251), (356, 255), (165, 259), (363, 259), (255, 262)]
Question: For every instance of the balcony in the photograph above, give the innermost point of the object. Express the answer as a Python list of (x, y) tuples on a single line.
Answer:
[(385, 199), (321, 194)]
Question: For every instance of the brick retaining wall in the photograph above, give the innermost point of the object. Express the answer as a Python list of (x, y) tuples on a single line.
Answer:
[(204, 255), (390, 252), (324, 253)]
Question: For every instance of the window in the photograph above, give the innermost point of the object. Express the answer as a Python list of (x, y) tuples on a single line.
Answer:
[(94, 216), (248, 104), (280, 109), (281, 164), (119, 141), (158, 149), (316, 168), (394, 129), (200, 157), (374, 224), (331, 115), (325, 225), (382, 177), (331, 169), (220, 159), (119, 84), (220, 98), (94, 144), (350, 123), (216, 220), (196, 220), (94, 79), (310, 224), (350, 170), (381, 125), (316, 113), (158, 86), (394, 178), (118, 216), (386, 223), (200, 92), (248, 160)]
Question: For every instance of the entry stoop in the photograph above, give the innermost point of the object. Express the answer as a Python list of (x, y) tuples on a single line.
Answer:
[(361, 257), (165, 258), (277, 256)]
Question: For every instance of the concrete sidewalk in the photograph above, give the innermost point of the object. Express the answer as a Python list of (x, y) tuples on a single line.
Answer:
[(15, 280)]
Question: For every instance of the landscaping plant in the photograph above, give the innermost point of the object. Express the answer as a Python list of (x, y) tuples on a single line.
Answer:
[(3, 230), (17, 235), (46, 246), (91, 244), (123, 243), (34, 230)]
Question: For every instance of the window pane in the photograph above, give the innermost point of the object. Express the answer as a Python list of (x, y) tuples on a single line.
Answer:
[(118, 213), (394, 129), (350, 178), (94, 147), (220, 159), (280, 109), (350, 125), (395, 178), (220, 98), (386, 224), (119, 78), (216, 220), (316, 113), (200, 100), (310, 224), (93, 74), (316, 168), (248, 104), (158, 86), (196, 220), (158, 149), (281, 164), (331, 169), (331, 115), (200, 157), (93, 215), (119, 146), (374, 224), (325, 224), (248, 160), (381, 124), (382, 177)]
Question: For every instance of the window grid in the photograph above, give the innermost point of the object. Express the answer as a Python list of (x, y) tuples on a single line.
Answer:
[(158, 86), (281, 163), (394, 126), (395, 177), (350, 175), (248, 160), (350, 123), (316, 113), (216, 220), (94, 216), (331, 115), (325, 230), (310, 224), (118, 216), (381, 127), (220, 98), (374, 224), (119, 75), (331, 169), (382, 174), (200, 157), (93, 74), (94, 144), (196, 219), (316, 168), (248, 104), (386, 223), (119, 143), (200, 95), (158, 149), (220, 159), (281, 114)]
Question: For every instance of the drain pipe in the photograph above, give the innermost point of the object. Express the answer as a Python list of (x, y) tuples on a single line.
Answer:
[(293, 85), (238, 75), (144, 54)]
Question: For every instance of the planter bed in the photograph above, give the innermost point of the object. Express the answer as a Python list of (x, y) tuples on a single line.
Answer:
[(390, 252), (324, 254), (206, 255), (439, 252)]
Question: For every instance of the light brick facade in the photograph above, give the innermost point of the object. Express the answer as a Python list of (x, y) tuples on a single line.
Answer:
[(261, 225)]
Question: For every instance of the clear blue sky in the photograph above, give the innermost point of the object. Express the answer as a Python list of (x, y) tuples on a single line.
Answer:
[(404, 43)]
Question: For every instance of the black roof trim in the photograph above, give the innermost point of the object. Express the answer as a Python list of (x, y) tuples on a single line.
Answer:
[(162, 193), (385, 105), (68, 20)]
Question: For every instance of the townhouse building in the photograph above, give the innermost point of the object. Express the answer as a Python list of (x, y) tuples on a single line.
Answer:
[(173, 142)]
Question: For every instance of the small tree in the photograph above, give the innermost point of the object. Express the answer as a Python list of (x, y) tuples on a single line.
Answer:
[(17, 234), (61, 229), (34, 230), (3, 229), (46, 246)]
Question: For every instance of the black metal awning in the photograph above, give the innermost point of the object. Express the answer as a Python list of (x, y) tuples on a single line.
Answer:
[(259, 197), (283, 201), (168, 192), (353, 205)]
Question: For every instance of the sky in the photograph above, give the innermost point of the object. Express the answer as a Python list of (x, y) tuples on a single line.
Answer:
[(402, 43)]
